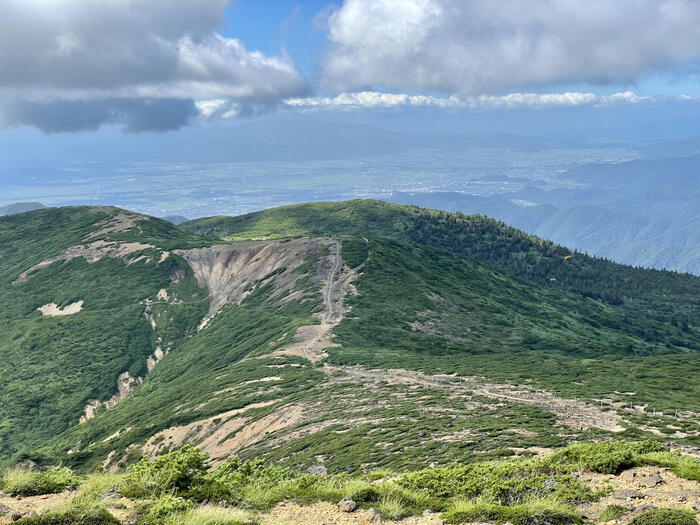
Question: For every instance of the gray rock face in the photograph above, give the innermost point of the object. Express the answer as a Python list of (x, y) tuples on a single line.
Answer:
[(112, 493), (317, 469), (347, 505), (651, 481), (4, 509)]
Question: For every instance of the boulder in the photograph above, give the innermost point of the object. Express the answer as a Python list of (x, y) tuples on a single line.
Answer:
[(347, 505), (650, 481)]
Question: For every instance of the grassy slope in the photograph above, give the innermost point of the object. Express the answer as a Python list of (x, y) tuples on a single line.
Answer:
[(512, 330), (52, 366), (480, 238), (648, 309)]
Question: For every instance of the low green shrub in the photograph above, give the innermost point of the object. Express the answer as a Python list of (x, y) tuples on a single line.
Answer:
[(503, 482), (606, 457), (235, 477), (211, 515), (666, 517), (613, 512), (30, 483), (534, 512), (182, 471), (164, 506), (71, 516), (686, 467)]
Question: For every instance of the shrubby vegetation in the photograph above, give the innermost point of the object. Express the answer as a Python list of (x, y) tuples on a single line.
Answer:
[(31, 483), (93, 516), (481, 319), (478, 237), (180, 488), (52, 366), (666, 517), (638, 324)]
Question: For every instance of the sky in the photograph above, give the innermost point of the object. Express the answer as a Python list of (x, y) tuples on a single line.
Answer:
[(88, 71)]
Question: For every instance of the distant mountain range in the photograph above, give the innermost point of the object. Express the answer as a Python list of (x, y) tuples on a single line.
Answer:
[(20, 207), (641, 212)]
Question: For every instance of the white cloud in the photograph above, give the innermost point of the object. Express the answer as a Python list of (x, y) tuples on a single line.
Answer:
[(110, 52), (376, 99), (491, 46)]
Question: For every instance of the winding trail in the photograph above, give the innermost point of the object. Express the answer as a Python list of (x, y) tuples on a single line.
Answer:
[(329, 313)]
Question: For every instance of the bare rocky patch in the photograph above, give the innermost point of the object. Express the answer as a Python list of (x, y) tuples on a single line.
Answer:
[(641, 488), (125, 385), (228, 432), (575, 414), (92, 253), (231, 272), (52, 309)]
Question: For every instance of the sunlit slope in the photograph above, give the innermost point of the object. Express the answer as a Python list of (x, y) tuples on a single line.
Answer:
[(667, 301), (354, 346), (91, 278)]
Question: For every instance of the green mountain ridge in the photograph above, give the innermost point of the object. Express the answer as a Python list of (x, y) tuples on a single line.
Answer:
[(356, 333)]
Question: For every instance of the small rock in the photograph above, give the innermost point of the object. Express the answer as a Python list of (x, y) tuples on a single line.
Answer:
[(421, 434), (112, 493), (374, 518), (646, 508), (317, 469), (347, 505), (4, 509), (15, 516), (650, 481), (628, 494)]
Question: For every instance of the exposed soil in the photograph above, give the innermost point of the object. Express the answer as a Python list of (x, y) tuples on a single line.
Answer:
[(226, 433), (573, 413), (91, 252), (37, 504), (311, 341), (52, 309), (122, 222), (288, 513), (231, 272), (640, 488), (125, 385)]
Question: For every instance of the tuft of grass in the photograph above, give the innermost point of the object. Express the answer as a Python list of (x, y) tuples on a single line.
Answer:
[(666, 517), (93, 490), (211, 515), (71, 516), (613, 512), (686, 467), (392, 507), (543, 510), (30, 483)]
